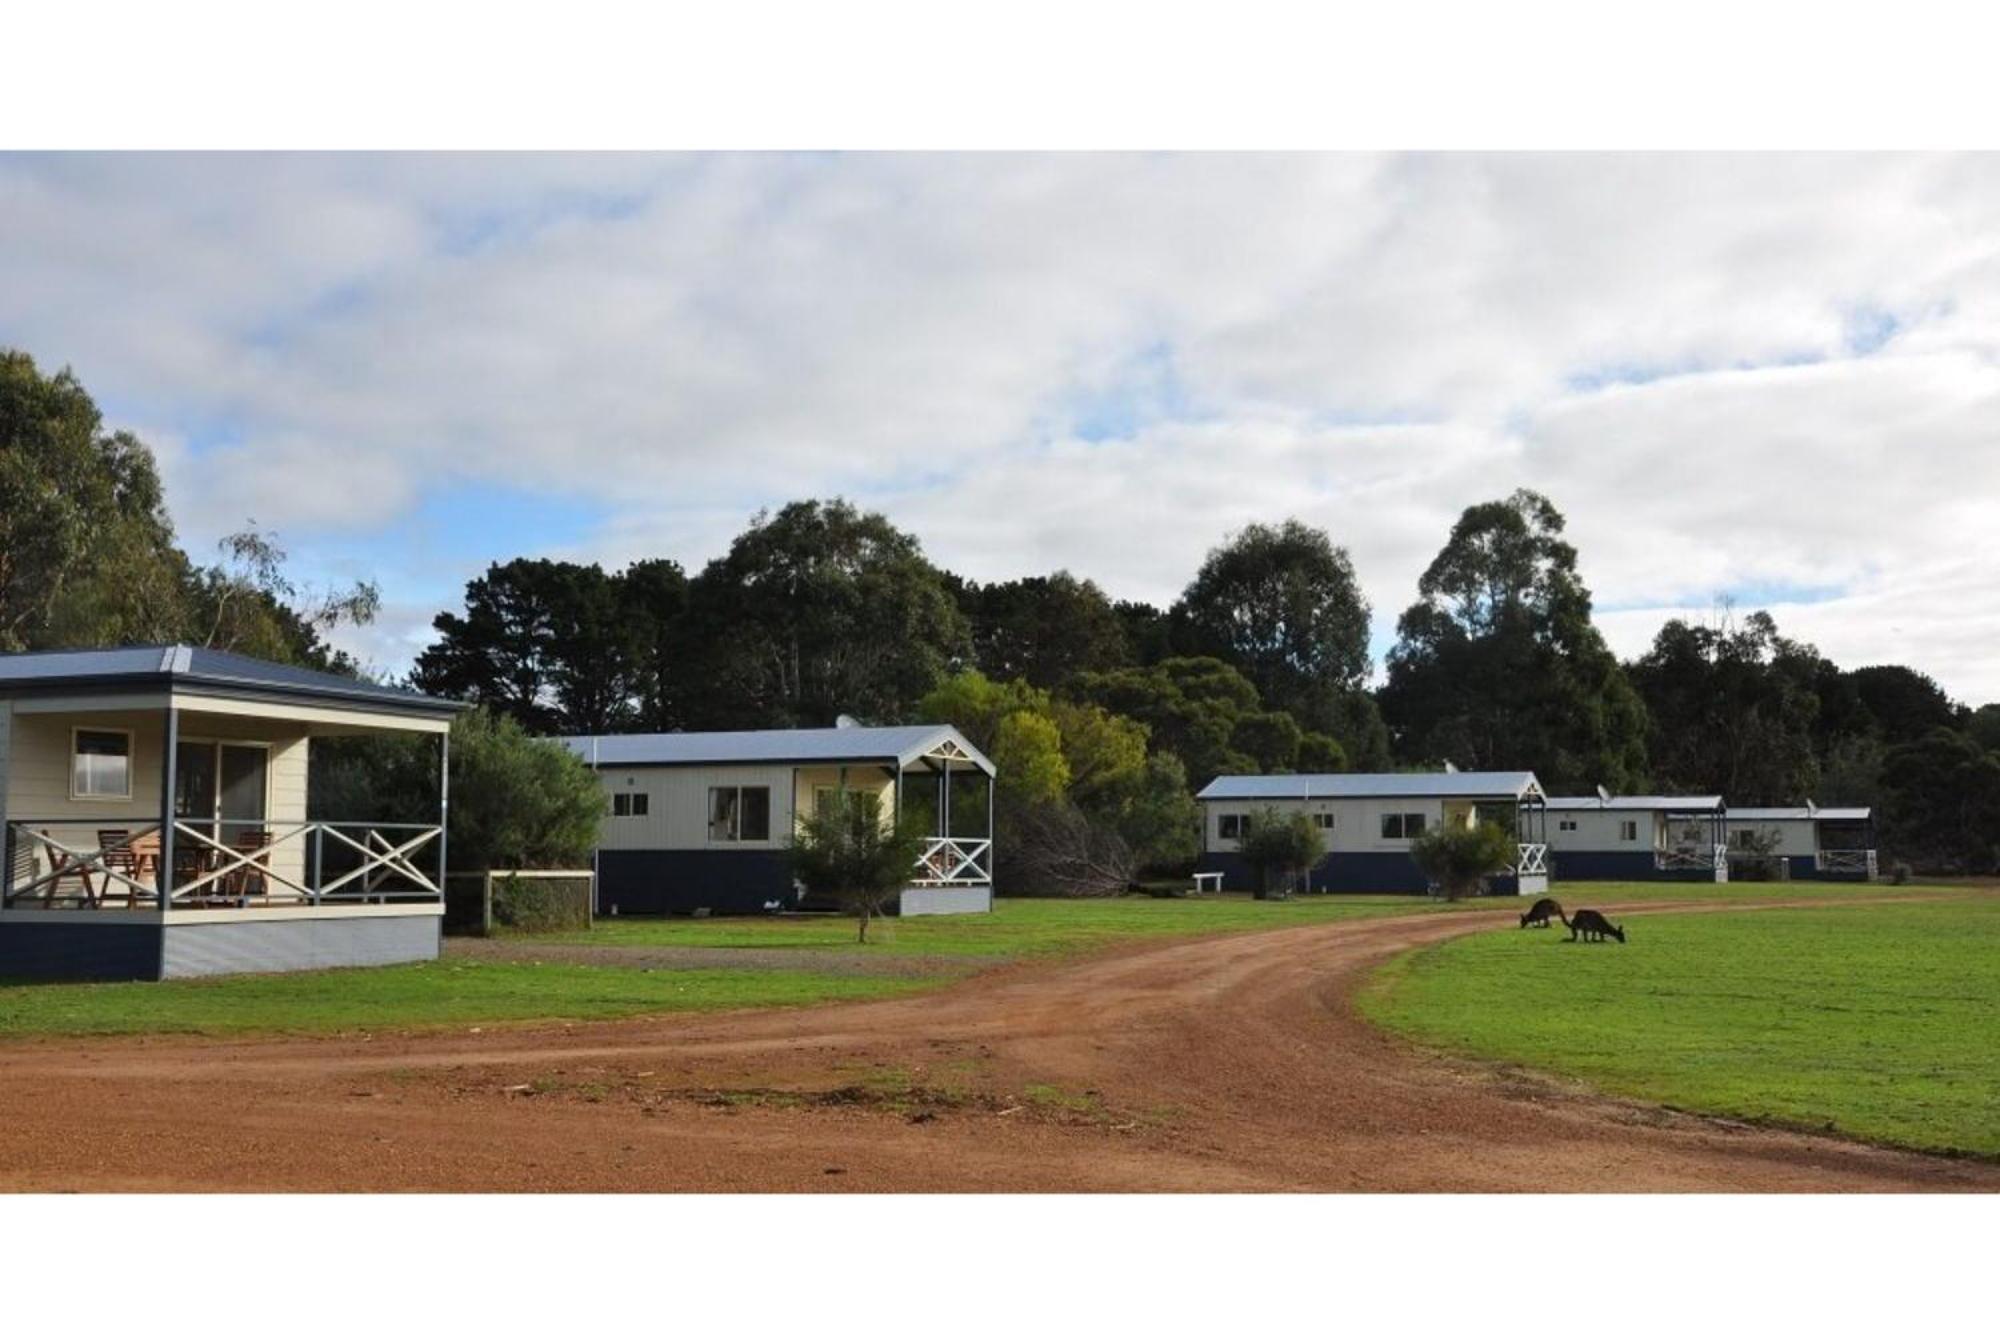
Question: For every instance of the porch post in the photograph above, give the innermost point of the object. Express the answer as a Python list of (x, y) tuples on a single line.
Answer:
[(444, 804), (170, 739), (991, 839), (944, 822), (896, 804)]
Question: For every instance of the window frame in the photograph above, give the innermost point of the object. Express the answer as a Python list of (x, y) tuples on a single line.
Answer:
[(1324, 820), (76, 731), (1628, 832), (737, 813), (1229, 825), (1396, 825)]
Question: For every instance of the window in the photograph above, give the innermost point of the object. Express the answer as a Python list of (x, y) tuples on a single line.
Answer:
[(1628, 830), (1565, 825), (739, 814), (1402, 825), (1324, 820), (1229, 825), (1743, 839), (100, 763), (630, 804)]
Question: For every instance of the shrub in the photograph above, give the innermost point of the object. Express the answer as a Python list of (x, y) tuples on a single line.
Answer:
[(856, 853), (1055, 849), (1458, 858), (1279, 843), (541, 905), (1756, 857)]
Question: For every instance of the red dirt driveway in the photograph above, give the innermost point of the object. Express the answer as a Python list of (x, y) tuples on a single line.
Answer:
[(1232, 1063)]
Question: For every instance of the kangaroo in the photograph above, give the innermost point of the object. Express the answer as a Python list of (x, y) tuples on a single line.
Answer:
[(1593, 927), (1541, 912)]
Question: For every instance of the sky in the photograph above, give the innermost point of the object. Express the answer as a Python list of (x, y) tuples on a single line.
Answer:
[(1759, 381)]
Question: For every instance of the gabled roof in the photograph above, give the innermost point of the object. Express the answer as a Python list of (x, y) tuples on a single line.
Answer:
[(1800, 813), (1461, 784), (777, 746), (1639, 802), (179, 667)]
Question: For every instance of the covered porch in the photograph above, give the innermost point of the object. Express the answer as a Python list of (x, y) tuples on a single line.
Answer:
[(1693, 843), (946, 790), (161, 831)]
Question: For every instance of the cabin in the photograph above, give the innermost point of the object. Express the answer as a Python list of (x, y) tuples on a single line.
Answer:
[(159, 821), (700, 821), (1834, 843), (1369, 820), (1638, 837)]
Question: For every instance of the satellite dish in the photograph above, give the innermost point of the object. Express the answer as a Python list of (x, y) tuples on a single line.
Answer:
[(1450, 769), (1603, 796), (846, 721), (1812, 808)]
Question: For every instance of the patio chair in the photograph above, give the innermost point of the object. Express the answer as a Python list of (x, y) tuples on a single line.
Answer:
[(247, 880), (193, 858), (64, 865), (122, 858)]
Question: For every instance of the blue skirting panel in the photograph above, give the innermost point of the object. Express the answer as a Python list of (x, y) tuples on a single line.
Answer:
[(682, 881), (45, 952)]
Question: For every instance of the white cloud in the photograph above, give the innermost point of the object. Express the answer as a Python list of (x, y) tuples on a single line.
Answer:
[(1733, 373)]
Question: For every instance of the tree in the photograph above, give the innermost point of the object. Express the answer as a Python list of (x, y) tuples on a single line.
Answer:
[(1941, 804), (1155, 814), (1279, 843), (550, 643), (1459, 858), (1282, 605), (1189, 706), (1497, 665), (1732, 707), (1983, 727), (1270, 739), (247, 604), (86, 548), (653, 597), (1319, 754), (1056, 849), (1027, 754), (1045, 631), (819, 610), (1903, 703), (856, 853)]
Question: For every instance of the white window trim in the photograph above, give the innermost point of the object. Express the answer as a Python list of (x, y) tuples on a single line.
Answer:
[(217, 744), (736, 818), (131, 764)]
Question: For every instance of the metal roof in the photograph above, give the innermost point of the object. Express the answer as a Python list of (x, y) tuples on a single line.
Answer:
[(1638, 802), (1462, 784), (903, 745), (178, 666), (1800, 813)]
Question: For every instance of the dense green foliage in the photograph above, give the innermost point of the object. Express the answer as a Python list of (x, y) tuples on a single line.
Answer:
[(1459, 858), (1873, 1021), (1498, 666)]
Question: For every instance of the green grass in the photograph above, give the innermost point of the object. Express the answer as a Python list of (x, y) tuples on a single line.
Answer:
[(1880, 1023), (431, 994), (1042, 927), (459, 992)]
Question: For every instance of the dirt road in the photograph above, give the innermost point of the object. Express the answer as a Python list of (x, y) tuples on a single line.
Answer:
[(1232, 1063)]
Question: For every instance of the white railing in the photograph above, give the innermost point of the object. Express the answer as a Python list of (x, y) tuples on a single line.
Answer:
[(1532, 860), (1846, 862), (1692, 858), (88, 864), (949, 861)]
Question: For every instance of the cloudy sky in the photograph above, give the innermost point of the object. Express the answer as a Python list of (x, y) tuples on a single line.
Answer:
[(1770, 379)]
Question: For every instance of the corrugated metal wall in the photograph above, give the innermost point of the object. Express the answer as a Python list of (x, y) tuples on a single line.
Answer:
[(296, 944)]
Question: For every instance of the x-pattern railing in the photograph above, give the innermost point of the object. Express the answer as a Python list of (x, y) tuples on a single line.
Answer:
[(1846, 861), (1702, 858), (292, 859), (1533, 859), (948, 859)]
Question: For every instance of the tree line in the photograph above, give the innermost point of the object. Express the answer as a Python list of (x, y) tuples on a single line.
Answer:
[(1106, 714)]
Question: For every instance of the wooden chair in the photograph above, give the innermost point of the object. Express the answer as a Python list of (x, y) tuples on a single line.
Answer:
[(122, 858), (246, 881), (192, 858), (63, 865)]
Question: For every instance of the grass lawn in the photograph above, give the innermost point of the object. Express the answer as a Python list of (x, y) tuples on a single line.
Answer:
[(429, 994), (462, 991), (1040, 927), (1879, 1023)]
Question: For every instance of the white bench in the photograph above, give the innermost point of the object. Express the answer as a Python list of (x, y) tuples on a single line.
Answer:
[(1200, 879)]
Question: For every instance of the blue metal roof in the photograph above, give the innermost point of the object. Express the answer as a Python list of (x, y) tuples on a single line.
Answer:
[(178, 666), (1800, 813), (1447, 784), (904, 745)]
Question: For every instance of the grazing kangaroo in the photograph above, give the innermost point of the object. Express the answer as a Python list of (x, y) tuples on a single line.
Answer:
[(1541, 912), (1593, 927)]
